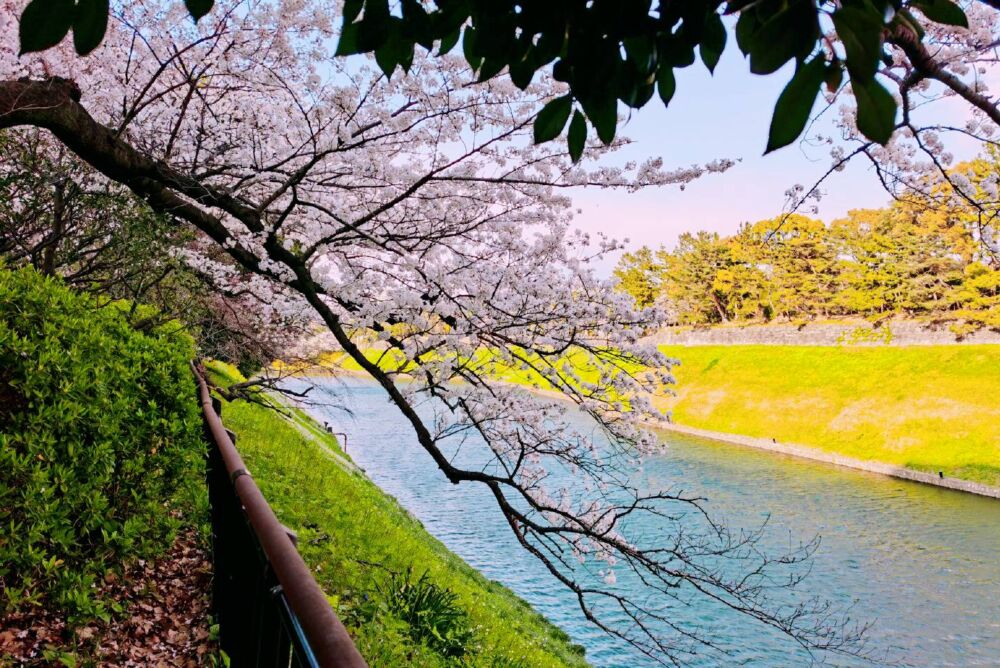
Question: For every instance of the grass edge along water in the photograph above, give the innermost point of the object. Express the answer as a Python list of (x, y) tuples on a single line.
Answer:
[(374, 560), (927, 408)]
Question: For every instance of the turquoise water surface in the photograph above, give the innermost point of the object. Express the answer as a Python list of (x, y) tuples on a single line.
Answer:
[(921, 563)]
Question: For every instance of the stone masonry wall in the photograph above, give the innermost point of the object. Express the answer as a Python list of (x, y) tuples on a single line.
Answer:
[(845, 332)]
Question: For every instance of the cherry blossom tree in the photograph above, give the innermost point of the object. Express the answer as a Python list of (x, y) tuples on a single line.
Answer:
[(943, 87), (64, 218), (418, 211), (610, 51), (940, 79)]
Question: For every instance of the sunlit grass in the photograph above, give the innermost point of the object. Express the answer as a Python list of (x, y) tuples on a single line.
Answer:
[(932, 408), (577, 368), (346, 525)]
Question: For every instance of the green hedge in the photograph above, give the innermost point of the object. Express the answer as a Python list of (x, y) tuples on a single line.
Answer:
[(99, 441)]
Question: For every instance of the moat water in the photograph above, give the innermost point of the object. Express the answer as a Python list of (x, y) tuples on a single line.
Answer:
[(921, 563)]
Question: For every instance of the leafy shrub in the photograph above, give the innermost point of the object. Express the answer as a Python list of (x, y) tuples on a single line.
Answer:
[(99, 432), (431, 612)]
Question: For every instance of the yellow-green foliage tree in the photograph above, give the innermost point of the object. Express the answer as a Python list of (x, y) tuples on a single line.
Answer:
[(691, 278), (640, 274), (930, 255), (743, 284), (802, 259)]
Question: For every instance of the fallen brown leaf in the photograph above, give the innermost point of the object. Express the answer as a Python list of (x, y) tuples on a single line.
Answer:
[(166, 624)]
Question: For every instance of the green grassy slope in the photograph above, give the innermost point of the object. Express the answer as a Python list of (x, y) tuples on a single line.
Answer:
[(346, 526), (932, 408)]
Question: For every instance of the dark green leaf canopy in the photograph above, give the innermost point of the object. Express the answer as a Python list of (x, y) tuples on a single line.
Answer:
[(577, 137), (552, 119), (792, 111), (44, 23), (623, 51), (606, 51)]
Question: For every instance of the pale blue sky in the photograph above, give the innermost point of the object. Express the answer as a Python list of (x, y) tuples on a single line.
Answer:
[(725, 116)]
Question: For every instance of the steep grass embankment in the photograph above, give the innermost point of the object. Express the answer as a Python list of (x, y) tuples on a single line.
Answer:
[(929, 408), (352, 534)]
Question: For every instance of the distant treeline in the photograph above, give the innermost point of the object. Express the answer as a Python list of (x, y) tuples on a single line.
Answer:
[(909, 259)]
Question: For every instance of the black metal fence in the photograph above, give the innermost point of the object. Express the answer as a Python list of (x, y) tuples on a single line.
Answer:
[(270, 609)]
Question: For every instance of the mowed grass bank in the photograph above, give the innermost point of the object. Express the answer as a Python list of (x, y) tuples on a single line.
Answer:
[(930, 408), (353, 535)]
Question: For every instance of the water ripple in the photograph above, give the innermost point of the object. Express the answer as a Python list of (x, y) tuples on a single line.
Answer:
[(923, 561)]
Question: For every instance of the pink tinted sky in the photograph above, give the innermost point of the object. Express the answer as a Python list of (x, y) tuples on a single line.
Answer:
[(725, 116)]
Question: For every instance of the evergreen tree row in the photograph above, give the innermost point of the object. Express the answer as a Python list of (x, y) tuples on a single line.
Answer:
[(915, 258)]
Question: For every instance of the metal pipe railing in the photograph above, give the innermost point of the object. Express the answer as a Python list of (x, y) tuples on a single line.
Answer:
[(271, 610)]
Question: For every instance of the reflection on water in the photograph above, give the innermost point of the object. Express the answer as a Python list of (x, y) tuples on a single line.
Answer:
[(923, 562)]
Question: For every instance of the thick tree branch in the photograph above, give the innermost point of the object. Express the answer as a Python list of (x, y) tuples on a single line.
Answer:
[(924, 63), (54, 105)]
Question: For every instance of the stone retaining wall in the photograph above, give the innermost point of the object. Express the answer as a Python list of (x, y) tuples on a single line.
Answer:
[(844, 332)]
